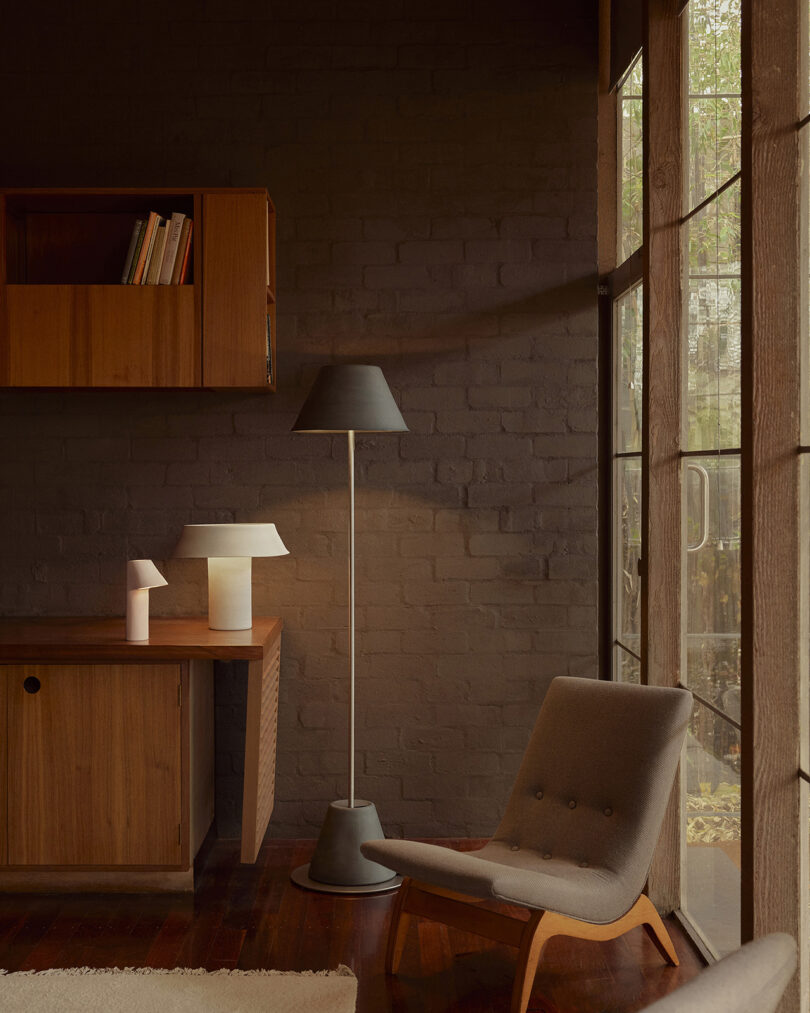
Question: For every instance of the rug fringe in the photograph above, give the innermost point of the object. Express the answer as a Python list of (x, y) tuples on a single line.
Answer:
[(342, 971)]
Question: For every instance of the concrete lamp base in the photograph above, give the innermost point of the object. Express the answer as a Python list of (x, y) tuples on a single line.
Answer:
[(338, 865)]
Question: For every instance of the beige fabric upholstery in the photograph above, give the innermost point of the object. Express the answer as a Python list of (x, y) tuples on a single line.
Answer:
[(751, 980), (584, 815)]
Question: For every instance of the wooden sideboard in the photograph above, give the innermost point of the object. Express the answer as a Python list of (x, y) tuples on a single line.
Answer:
[(107, 752)]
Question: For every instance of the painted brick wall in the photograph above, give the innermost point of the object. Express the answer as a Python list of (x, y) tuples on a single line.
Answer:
[(433, 166)]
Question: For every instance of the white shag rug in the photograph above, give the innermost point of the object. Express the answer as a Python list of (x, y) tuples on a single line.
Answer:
[(144, 990)]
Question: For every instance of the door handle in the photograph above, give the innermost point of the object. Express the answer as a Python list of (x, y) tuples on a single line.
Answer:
[(703, 478), (32, 684)]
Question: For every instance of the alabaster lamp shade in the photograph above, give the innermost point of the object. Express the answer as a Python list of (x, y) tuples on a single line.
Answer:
[(229, 549), (142, 574)]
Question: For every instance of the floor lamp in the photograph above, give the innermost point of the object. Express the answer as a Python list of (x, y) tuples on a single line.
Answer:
[(348, 399)]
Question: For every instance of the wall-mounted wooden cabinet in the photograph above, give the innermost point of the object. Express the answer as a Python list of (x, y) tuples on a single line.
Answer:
[(67, 321)]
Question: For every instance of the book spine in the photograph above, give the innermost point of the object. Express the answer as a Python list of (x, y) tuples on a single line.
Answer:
[(148, 262), (186, 269), (146, 246), (173, 230), (177, 270), (269, 350), (156, 260), (137, 231)]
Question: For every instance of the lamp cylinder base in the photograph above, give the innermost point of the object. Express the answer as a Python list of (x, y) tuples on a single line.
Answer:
[(138, 613), (229, 593), (338, 864)]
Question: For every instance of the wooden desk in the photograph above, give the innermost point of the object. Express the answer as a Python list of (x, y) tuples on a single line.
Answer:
[(107, 771)]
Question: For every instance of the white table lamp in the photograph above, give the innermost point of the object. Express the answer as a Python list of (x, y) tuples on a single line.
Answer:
[(229, 549), (141, 575)]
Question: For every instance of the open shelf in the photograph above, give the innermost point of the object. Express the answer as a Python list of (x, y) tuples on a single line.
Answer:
[(59, 238)]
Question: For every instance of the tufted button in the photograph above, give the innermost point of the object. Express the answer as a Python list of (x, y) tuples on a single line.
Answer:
[(608, 811), (572, 804), (547, 855), (515, 847), (583, 865), (539, 796)]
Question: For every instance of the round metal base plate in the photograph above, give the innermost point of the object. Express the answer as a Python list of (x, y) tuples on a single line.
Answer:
[(300, 877)]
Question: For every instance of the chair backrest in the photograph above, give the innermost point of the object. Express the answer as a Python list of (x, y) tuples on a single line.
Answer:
[(751, 980), (596, 775)]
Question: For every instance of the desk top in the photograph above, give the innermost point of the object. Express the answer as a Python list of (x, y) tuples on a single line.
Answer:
[(94, 639)]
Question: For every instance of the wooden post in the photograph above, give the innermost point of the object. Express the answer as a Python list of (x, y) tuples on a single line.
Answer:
[(661, 404), (772, 647), (607, 168)]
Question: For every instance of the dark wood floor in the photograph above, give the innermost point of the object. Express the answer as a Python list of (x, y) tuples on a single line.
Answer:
[(253, 917)]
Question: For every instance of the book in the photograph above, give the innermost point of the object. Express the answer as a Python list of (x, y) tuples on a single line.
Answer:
[(146, 248), (137, 252), (269, 350), (147, 262), (156, 258), (133, 250), (173, 230), (182, 262)]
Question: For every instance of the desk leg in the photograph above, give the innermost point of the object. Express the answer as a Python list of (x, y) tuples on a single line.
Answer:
[(260, 751)]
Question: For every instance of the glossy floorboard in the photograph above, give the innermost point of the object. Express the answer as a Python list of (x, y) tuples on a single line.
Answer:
[(252, 916)]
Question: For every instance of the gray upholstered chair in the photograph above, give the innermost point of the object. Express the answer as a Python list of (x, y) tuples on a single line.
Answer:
[(578, 835), (751, 980)]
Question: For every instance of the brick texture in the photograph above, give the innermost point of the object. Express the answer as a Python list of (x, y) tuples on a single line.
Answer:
[(434, 170)]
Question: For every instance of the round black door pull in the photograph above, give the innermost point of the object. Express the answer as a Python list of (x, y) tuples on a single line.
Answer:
[(32, 684)]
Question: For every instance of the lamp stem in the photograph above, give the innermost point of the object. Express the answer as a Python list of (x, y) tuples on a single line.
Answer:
[(351, 618)]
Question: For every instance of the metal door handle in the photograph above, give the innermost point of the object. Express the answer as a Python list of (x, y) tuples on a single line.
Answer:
[(703, 478)]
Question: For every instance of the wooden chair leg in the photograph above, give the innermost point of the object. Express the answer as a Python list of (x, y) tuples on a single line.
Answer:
[(656, 930), (400, 920), (531, 947)]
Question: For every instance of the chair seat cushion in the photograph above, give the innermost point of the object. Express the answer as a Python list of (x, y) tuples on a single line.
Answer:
[(524, 877)]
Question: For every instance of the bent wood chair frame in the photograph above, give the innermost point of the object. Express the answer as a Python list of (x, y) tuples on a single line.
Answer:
[(529, 936)]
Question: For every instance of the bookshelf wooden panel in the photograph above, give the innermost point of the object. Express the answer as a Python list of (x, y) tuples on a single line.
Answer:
[(99, 336), (67, 321), (237, 268)]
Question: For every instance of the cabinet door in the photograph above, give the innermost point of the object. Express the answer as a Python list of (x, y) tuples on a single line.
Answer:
[(94, 764), (3, 775), (235, 273), (99, 336)]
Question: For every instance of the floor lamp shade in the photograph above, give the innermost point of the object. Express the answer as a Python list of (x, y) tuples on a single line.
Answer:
[(348, 399), (229, 549)]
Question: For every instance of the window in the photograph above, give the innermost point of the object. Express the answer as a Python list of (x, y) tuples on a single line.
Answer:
[(719, 426), (627, 349), (630, 161), (711, 419)]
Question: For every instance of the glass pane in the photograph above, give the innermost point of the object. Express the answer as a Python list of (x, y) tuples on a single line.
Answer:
[(626, 668), (805, 104), (713, 237), (804, 948), (714, 102), (630, 162), (711, 818), (628, 310), (712, 580), (627, 542), (804, 139), (713, 335)]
